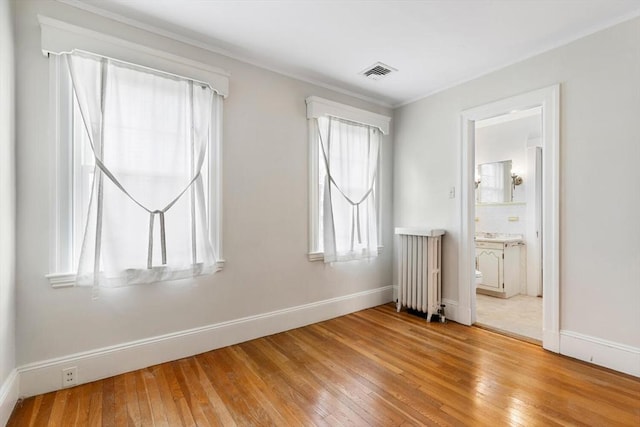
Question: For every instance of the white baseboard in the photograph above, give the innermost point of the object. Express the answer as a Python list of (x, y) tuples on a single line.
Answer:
[(46, 376), (8, 396), (451, 309), (619, 357)]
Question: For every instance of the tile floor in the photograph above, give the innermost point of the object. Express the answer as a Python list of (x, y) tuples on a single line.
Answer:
[(520, 314)]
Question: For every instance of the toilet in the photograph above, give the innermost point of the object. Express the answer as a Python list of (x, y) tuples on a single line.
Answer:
[(478, 278)]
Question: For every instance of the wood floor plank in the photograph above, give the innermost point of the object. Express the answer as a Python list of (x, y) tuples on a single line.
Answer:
[(168, 404), (375, 367), (24, 412), (41, 417), (38, 411), (57, 408), (278, 407), (217, 405), (158, 414), (191, 394), (337, 405), (143, 398), (133, 406), (238, 391), (176, 393), (404, 394), (72, 409), (198, 393), (329, 371), (120, 417), (288, 382), (95, 404)]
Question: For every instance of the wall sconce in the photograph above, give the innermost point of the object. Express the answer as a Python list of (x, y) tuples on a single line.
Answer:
[(515, 179)]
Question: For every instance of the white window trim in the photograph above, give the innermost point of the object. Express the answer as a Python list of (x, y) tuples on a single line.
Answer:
[(320, 107), (60, 183), (60, 37)]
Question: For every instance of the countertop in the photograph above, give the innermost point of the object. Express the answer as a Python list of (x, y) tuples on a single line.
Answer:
[(499, 238)]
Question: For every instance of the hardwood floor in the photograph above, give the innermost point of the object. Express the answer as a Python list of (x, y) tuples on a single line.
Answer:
[(374, 367)]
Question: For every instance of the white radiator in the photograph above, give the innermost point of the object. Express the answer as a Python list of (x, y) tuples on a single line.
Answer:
[(419, 269)]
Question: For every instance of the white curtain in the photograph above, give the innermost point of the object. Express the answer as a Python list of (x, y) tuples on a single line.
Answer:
[(149, 132), (350, 155)]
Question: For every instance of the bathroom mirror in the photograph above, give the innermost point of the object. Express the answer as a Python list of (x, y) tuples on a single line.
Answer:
[(494, 184)]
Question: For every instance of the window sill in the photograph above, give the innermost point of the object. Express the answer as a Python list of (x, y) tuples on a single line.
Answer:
[(316, 256), (319, 256), (61, 280), (68, 280)]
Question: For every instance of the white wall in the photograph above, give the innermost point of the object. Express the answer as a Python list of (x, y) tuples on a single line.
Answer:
[(496, 219), (599, 173), (7, 208), (265, 212)]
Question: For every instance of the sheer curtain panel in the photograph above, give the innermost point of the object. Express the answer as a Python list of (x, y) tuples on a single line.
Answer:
[(147, 211), (350, 155)]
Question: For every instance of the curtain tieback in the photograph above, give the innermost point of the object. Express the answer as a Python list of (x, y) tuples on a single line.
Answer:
[(152, 214), (355, 210), (355, 224), (163, 241)]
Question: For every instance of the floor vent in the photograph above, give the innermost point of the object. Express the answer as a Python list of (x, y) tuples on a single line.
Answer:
[(377, 71)]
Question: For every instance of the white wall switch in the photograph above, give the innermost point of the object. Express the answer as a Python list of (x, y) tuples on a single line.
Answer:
[(452, 193)]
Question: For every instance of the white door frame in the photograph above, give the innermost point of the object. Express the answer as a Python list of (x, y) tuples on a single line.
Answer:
[(549, 99)]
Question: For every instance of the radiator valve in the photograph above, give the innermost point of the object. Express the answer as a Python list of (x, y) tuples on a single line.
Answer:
[(441, 313)]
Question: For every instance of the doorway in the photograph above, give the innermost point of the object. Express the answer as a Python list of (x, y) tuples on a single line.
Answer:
[(547, 100), (508, 220)]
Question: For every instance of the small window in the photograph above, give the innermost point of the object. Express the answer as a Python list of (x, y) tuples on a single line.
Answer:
[(136, 179), (344, 191)]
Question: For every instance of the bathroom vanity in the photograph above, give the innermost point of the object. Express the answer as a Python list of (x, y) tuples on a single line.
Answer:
[(499, 258)]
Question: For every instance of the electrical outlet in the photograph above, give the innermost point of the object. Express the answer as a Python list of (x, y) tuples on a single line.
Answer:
[(452, 192), (69, 376)]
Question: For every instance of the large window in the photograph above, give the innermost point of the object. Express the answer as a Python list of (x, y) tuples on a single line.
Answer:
[(344, 191), (136, 173)]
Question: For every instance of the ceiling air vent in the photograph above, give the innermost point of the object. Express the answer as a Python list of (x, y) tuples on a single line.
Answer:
[(377, 71)]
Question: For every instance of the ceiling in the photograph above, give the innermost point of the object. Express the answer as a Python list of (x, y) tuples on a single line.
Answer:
[(433, 44)]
